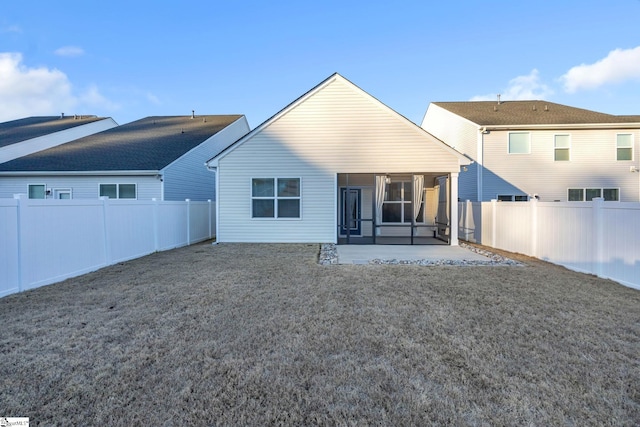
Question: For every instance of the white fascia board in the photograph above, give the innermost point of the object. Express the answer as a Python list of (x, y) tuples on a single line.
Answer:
[(578, 126), (82, 173)]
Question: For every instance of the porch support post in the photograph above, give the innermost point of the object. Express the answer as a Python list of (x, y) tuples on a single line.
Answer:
[(453, 205)]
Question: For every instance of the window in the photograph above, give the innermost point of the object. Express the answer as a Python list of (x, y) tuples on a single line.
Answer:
[(37, 191), (397, 206), (512, 198), (118, 191), (624, 146), (588, 194), (275, 198), (562, 146), (519, 143)]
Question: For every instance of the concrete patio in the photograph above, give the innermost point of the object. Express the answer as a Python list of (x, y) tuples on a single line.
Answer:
[(362, 254)]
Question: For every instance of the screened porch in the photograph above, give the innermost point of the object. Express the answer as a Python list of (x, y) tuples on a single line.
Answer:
[(400, 209)]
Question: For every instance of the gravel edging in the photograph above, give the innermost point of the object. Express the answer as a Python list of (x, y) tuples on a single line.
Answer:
[(329, 256)]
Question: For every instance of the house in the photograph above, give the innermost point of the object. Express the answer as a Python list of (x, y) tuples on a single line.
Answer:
[(337, 166), (553, 152), (155, 157), (25, 136)]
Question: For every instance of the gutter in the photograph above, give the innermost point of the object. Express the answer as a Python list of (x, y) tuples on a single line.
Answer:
[(81, 173), (488, 128)]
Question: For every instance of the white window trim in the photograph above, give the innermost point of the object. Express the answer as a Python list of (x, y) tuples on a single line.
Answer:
[(528, 142), (118, 184), (275, 199), (584, 193), (57, 191), (562, 148), (406, 202), (633, 143), (40, 185)]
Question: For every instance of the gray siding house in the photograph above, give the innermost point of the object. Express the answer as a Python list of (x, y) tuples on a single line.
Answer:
[(554, 152), (25, 136), (337, 166), (156, 157)]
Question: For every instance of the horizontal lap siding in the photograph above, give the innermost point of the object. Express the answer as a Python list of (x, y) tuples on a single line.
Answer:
[(593, 164), (462, 135), (87, 187), (336, 130)]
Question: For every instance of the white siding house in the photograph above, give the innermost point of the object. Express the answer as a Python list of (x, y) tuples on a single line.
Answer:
[(524, 149), (25, 136), (336, 165), (156, 157)]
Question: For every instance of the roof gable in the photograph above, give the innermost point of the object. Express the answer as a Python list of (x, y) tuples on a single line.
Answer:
[(16, 131), (535, 112), (298, 103), (148, 144)]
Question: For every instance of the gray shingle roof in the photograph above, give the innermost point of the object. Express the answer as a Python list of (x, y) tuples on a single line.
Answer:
[(20, 130), (537, 112), (148, 144)]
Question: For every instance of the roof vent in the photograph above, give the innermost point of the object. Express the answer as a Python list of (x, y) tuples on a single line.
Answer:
[(546, 108), (193, 114), (181, 130), (62, 115), (204, 120), (534, 107), (498, 99), (495, 108)]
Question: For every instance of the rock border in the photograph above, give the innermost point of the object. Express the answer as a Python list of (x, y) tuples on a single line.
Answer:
[(329, 256)]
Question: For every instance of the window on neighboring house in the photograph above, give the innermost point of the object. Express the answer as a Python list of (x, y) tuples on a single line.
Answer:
[(37, 191), (624, 146), (588, 194), (118, 191), (519, 143), (562, 147), (397, 205), (275, 198), (512, 198)]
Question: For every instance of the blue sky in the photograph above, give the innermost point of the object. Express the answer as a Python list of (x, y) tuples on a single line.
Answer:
[(133, 59)]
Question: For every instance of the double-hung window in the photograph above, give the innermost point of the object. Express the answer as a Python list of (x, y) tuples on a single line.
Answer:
[(562, 148), (519, 143), (624, 146), (275, 198), (118, 191), (397, 206)]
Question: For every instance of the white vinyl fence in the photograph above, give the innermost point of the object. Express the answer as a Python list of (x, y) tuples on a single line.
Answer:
[(46, 241), (601, 238)]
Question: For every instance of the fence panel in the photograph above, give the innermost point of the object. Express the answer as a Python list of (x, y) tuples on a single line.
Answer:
[(621, 243), (595, 237), (46, 241), (9, 247)]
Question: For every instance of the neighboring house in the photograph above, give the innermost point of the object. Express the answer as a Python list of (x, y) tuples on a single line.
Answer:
[(25, 136), (155, 157), (524, 149), (337, 165)]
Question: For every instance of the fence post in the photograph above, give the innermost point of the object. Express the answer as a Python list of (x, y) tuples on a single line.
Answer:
[(597, 204), (494, 208), (209, 201), (156, 227), (534, 227), (105, 230), (20, 208), (188, 221)]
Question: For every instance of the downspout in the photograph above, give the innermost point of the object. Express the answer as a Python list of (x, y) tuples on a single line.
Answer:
[(480, 161)]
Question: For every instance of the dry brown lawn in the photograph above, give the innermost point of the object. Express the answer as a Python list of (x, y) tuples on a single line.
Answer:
[(244, 334)]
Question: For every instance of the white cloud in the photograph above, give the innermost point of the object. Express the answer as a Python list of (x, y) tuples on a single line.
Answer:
[(619, 66), (70, 51), (153, 99), (521, 88), (11, 29), (38, 91)]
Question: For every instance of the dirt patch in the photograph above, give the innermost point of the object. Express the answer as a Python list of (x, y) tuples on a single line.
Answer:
[(262, 334)]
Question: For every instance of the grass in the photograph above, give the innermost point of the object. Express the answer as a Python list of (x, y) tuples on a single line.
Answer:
[(238, 334)]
